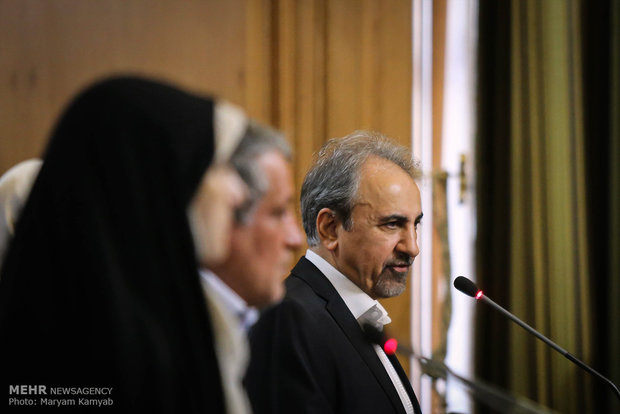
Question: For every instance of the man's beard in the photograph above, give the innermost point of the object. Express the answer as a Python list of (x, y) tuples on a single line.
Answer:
[(391, 283)]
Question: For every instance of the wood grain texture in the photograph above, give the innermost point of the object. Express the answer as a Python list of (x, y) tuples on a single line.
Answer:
[(316, 69)]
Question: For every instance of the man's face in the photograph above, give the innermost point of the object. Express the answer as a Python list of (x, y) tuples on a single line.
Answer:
[(262, 249), (378, 251)]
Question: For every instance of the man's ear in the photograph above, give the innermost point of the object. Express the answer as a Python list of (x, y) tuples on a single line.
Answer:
[(326, 224)]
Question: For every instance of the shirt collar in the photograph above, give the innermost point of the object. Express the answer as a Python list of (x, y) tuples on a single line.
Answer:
[(355, 298), (230, 299)]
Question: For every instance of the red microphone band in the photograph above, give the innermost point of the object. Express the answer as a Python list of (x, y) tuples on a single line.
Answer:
[(390, 346)]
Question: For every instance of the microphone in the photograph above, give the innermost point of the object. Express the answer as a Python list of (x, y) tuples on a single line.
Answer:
[(434, 369), (376, 336), (469, 288), (490, 395)]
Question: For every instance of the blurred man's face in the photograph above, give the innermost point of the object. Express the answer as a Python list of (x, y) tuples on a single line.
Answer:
[(262, 249)]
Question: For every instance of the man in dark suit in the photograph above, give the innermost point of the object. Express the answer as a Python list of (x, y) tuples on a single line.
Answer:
[(360, 208)]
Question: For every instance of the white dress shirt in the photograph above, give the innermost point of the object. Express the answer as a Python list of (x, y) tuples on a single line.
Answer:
[(359, 303), (231, 317)]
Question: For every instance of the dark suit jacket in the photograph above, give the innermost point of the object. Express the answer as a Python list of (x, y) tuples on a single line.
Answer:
[(309, 355)]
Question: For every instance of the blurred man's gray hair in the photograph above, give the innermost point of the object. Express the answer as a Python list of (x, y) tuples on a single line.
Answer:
[(257, 140), (333, 178)]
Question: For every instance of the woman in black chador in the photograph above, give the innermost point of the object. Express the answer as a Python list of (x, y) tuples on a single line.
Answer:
[(100, 287)]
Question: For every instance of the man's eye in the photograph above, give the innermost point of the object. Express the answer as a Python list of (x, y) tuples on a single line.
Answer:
[(278, 212), (391, 225)]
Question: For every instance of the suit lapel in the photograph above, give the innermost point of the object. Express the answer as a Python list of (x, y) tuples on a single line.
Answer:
[(336, 307), (405, 380)]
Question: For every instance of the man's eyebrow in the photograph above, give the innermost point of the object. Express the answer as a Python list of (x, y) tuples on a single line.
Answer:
[(400, 218), (394, 217), (418, 219)]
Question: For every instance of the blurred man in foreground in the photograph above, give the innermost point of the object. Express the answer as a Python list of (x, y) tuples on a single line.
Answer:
[(262, 240)]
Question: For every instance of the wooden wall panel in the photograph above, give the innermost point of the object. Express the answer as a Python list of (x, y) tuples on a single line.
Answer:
[(260, 60), (52, 48), (441, 299), (310, 87), (344, 81), (314, 68), (369, 67), (395, 68)]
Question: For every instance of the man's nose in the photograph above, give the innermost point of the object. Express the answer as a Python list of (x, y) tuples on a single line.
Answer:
[(409, 242), (293, 234)]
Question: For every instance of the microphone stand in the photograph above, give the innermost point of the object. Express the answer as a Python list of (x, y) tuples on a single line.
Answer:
[(549, 342), (492, 396), (469, 288)]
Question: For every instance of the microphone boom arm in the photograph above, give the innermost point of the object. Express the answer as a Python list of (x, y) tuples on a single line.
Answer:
[(549, 342), (524, 325)]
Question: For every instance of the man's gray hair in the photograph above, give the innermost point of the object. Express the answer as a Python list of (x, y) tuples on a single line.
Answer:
[(333, 179), (257, 140)]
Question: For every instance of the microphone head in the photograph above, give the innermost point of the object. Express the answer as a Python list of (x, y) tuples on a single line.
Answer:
[(376, 336), (390, 346), (466, 286)]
